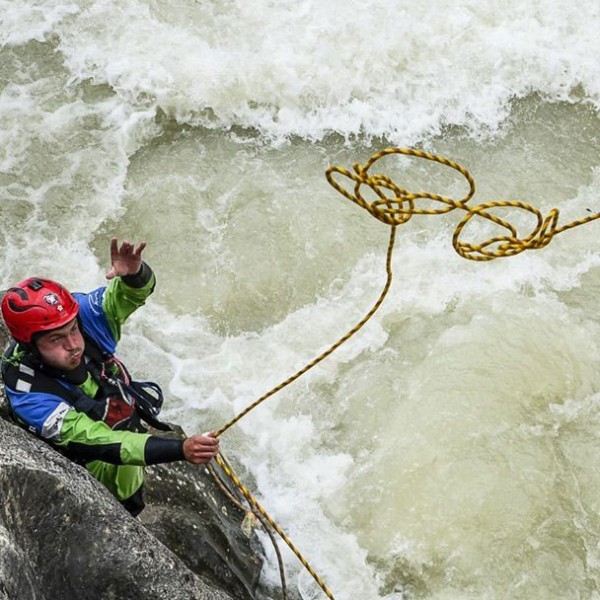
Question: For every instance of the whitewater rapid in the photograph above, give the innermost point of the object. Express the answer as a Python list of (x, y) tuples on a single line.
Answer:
[(449, 449)]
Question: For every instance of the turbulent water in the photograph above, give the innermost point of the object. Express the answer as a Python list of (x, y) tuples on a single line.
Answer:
[(451, 448)]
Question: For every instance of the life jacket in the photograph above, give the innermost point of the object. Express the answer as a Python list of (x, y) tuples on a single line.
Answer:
[(119, 401)]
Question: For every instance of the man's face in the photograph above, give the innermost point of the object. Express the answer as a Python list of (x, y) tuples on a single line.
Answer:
[(62, 348)]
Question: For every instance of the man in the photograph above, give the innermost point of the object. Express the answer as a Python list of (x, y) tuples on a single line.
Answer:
[(64, 383)]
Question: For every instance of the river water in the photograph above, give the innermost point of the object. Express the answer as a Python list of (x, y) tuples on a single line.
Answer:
[(451, 448)]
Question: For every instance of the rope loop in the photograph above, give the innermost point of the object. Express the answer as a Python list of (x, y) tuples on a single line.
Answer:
[(395, 206)]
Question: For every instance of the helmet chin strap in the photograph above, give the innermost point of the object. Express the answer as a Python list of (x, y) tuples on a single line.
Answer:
[(76, 376), (32, 350)]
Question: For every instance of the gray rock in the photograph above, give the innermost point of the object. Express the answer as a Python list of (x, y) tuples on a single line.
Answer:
[(64, 536), (190, 514)]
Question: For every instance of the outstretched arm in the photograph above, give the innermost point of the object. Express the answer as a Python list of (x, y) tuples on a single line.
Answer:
[(131, 282)]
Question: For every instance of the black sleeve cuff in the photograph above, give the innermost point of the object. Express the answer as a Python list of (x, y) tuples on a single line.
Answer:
[(162, 450), (83, 453), (140, 279)]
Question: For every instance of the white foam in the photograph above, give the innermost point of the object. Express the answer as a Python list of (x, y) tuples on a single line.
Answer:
[(379, 69)]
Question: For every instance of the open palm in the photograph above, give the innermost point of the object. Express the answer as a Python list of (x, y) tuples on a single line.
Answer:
[(126, 259)]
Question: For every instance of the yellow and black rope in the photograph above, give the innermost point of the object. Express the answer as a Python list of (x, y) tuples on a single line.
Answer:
[(395, 206)]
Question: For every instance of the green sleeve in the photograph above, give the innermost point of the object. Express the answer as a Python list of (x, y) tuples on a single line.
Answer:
[(121, 299), (87, 439)]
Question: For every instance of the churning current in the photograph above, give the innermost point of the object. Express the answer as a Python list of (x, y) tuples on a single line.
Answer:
[(450, 449)]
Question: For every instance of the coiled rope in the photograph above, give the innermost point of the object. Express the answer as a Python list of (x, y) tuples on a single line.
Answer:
[(399, 208), (395, 206)]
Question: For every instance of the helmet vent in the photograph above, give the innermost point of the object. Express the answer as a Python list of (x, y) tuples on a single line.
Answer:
[(35, 285), (19, 292)]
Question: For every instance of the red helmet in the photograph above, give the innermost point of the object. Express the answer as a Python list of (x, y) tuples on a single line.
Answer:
[(35, 306)]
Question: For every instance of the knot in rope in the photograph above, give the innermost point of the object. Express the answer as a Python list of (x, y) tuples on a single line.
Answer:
[(395, 205)]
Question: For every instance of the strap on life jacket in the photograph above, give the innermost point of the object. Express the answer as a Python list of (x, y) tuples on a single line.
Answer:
[(119, 402), (146, 396)]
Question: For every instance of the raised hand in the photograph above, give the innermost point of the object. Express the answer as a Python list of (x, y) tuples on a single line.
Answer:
[(125, 260)]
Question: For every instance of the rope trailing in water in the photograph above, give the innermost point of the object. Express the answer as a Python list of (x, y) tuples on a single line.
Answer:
[(227, 468), (397, 209), (263, 513)]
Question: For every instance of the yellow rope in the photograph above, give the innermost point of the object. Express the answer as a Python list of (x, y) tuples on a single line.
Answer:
[(253, 512), (256, 506), (229, 470), (395, 206), (396, 209), (329, 350)]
